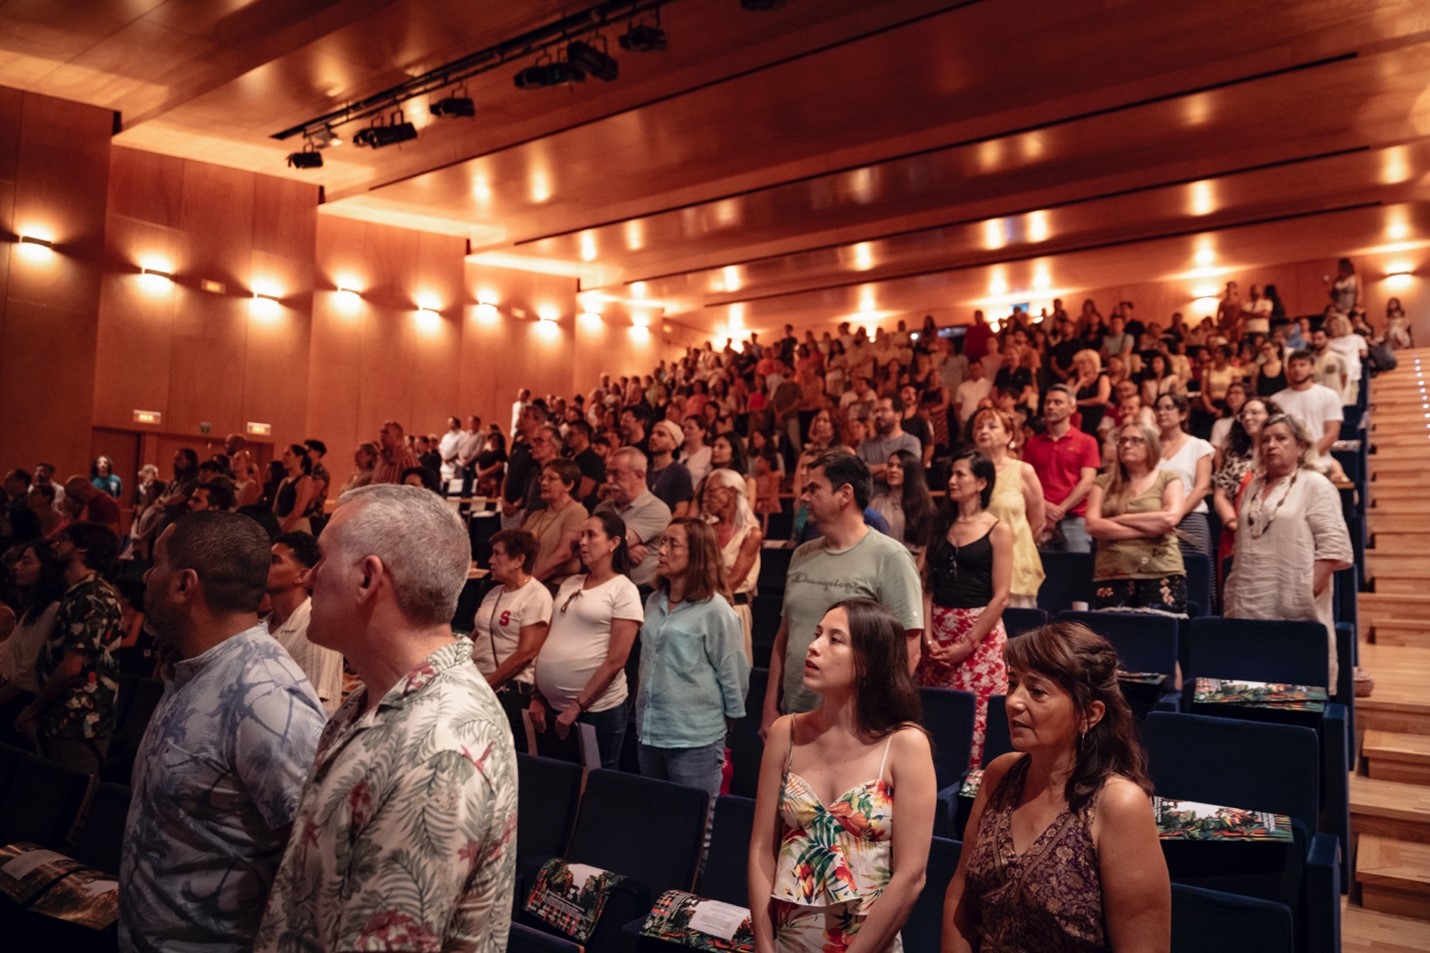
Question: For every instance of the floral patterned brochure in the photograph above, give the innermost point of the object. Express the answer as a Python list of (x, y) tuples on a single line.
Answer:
[(86, 897), (1282, 696), (971, 784), (1141, 678), (28, 870), (709, 925), (1190, 820), (570, 897)]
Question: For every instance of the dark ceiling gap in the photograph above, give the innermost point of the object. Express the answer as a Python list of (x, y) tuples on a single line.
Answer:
[(1067, 203), (1003, 134), (1044, 253)]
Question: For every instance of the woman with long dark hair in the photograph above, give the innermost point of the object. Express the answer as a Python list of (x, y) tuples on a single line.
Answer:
[(829, 868), (728, 451), (967, 578), (1190, 458), (908, 506), (581, 669), (294, 491), (39, 575), (1061, 852)]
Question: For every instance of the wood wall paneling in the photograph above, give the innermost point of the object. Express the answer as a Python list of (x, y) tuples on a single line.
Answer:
[(146, 186)]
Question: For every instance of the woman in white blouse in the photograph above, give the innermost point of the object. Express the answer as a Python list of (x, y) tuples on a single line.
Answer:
[(581, 670), (1191, 459)]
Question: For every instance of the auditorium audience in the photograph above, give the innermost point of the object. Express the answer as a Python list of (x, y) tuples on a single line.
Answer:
[(39, 578), (1190, 458), (643, 515), (740, 539), (290, 570), (557, 524), (1017, 500), (511, 625)]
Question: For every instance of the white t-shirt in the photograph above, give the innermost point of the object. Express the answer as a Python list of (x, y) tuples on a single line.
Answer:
[(970, 392), (1184, 464), (496, 629), (1221, 429), (580, 637), (1314, 405)]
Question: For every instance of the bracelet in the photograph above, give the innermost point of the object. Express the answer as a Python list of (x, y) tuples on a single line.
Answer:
[(581, 706)]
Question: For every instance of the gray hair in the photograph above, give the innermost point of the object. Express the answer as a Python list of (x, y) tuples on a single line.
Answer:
[(1299, 433), (420, 541), (723, 476), (639, 462)]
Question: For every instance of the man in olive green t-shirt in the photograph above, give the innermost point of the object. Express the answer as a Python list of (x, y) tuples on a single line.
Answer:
[(848, 561)]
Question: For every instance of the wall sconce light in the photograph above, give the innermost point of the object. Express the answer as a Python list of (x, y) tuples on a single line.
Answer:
[(487, 313), (429, 319), (35, 248), (157, 273), (589, 318), (264, 306), (1399, 275)]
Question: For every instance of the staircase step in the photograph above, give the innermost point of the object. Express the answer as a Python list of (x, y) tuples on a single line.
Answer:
[(1397, 756), (1384, 563), (1390, 543), (1404, 607), (1398, 632), (1394, 876), (1398, 523), (1391, 809), (1397, 584)]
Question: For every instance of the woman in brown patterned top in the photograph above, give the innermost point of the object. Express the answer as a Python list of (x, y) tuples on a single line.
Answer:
[(1061, 851)]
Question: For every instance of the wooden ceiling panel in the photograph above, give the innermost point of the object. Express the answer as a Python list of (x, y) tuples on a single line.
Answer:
[(832, 153)]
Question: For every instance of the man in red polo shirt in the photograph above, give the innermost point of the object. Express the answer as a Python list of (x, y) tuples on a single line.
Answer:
[(1066, 461)]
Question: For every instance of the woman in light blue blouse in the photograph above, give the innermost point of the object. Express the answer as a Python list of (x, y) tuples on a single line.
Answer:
[(693, 670)]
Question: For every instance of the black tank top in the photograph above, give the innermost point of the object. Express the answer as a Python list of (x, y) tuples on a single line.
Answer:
[(287, 496), (963, 575)]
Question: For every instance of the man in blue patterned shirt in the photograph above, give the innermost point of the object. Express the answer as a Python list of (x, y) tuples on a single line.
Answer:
[(406, 835), (218, 775)]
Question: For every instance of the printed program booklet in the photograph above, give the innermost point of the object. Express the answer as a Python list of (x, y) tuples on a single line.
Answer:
[(1190, 820), (1278, 695), (700, 924)]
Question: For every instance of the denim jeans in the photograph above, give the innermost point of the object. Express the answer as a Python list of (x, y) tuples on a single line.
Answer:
[(693, 767), (610, 728), (1071, 537)]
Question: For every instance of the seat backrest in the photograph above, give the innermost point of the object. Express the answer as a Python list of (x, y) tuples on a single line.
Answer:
[(1017, 621), (948, 716), (525, 939), (1257, 649), (1233, 763), (133, 718), (10, 759), (774, 567), (924, 928), (99, 838), (746, 747), (997, 739), (1199, 580), (548, 792), (1145, 641), (727, 867), (42, 803), (1068, 579), (1205, 919), (640, 827)]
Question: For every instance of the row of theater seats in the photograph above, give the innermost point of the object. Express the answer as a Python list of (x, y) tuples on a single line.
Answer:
[(64, 810), (651, 831)]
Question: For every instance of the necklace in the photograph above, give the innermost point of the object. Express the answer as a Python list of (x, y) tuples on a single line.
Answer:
[(1256, 508)]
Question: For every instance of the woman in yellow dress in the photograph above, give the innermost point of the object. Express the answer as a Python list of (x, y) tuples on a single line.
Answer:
[(1017, 501)]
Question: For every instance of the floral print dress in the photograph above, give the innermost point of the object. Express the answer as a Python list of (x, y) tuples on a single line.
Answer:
[(834, 862)]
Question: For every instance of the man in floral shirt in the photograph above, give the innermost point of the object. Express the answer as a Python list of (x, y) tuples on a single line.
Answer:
[(405, 834), (72, 718)]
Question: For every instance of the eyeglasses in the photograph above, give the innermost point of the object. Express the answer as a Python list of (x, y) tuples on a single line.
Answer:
[(1130, 440), (570, 599), (670, 543)]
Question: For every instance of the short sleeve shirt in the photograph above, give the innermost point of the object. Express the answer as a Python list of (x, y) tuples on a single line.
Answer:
[(1314, 406), (405, 837), (1059, 463), (496, 630), (580, 637), (216, 784), (877, 567), (87, 622)]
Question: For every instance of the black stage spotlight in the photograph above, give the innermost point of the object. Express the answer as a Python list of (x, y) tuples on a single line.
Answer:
[(397, 130), (590, 59), (309, 158), (551, 73), (454, 106), (643, 38)]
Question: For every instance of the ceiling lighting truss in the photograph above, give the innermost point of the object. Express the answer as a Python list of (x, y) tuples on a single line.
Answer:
[(549, 40)]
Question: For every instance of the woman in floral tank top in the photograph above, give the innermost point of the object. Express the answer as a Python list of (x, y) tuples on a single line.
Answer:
[(829, 871)]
